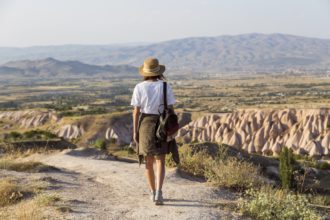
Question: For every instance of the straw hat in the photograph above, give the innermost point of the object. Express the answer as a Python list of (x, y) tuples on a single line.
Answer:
[(151, 67)]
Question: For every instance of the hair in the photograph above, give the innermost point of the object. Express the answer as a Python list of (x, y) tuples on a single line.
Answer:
[(159, 77)]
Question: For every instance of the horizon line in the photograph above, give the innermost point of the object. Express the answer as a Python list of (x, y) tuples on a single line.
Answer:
[(133, 44)]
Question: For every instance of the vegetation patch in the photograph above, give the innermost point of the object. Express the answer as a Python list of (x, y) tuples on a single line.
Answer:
[(100, 144), (32, 167), (220, 170), (233, 173), (30, 135), (47, 199), (10, 192), (195, 163), (269, 203)]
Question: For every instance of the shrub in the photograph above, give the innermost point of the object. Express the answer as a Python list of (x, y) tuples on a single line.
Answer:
[(286, 168), (100, 144), (268, 203), (233, 173), (15, 135), (39, 134), (220, 170), (323, 166), (323, 200), (194, 162), (169, 162), (9, 192)]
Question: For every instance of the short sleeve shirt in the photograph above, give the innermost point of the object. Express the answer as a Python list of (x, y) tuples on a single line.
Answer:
[(149, 96)]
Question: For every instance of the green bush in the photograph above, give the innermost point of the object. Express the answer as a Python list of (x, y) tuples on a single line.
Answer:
[(323, 166), (286, 168), (100, 144), (268, 203), (15, 135), (39, 134)]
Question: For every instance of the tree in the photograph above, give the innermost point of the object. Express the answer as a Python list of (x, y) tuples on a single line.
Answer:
[(286, 168)]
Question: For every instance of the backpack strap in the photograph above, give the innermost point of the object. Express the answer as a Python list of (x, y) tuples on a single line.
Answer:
[(165, 94)]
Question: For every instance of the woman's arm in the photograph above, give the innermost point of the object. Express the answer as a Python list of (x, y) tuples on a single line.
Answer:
[(136, 113)]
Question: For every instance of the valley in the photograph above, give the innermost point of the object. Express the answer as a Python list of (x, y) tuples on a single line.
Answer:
[(225, 93), (67, 125)]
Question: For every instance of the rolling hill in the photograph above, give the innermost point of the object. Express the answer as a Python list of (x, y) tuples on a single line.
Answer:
[(50, 67), (248, 52)]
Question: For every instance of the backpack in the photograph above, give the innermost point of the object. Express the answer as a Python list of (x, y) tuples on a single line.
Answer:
[(168, 125)]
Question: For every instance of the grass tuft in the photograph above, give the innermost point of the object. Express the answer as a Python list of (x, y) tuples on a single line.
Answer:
[(47, 199), (10, 192), (31, 166), (29, 210)]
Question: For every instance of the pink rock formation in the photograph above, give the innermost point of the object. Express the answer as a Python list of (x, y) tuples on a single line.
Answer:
[(266, 131), (29, 118)]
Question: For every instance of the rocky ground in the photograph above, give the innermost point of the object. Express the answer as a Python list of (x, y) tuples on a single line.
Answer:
[(94, 187)]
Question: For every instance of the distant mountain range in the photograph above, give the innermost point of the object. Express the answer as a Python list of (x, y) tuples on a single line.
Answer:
[(50, 67), (248, 52)]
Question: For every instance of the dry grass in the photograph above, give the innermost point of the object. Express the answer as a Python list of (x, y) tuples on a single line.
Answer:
[(194, 163), (221, 170), (19, 206), (29, 166), (12, 152), (32, 209), (47, 199), (10, 192), (233, 173), (29, 210)]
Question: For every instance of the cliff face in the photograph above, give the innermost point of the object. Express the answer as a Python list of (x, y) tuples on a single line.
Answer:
[(265, 131)]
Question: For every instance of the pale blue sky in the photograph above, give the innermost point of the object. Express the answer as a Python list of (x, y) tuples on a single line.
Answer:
[(54, 22)]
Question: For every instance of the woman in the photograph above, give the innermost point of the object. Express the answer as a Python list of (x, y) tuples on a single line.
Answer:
[(148, 102)]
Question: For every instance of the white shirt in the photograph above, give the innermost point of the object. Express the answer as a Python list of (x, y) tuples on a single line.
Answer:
[(149, 96)]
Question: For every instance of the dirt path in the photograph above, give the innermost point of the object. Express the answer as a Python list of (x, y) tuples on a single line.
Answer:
[(107, 189)]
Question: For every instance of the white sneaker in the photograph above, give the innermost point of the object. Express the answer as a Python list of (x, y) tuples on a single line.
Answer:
[(152, 195), (159, 198)]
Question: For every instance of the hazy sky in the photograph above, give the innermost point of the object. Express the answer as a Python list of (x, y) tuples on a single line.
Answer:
[(53, 22)]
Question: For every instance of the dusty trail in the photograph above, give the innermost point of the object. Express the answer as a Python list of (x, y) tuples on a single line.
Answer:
[(107, 189)]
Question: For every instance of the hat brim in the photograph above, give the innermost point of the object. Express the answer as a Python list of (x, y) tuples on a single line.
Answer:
[(160, 72)]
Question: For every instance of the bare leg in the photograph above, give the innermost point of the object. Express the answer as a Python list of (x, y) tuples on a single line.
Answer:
[(150, 172), (160, 164)]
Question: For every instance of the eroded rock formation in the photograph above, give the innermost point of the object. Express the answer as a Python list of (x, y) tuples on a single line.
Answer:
[(70, 131), (265, 131), (29, 118)]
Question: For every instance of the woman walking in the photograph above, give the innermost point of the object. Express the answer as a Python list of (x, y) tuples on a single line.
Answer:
[(148, 102)]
